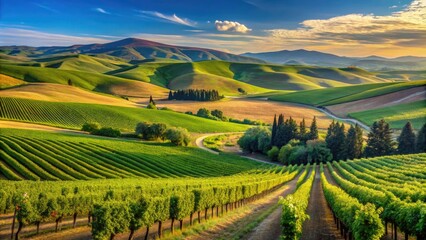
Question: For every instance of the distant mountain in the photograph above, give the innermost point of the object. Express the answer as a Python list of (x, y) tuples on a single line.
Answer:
[(330, 60), (130, 49)]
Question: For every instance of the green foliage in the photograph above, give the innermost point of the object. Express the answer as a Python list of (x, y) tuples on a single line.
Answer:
[(181, 205), (151, 106), (318, 152), (368, 222), (219, 114), (195, 95), (407, 140), (151, 131), (421, 139), (203, 112), (354, 142), (294, 210), (110, 219), (178, 136), (379, 141), (363, 221), (273, 153), (107, 132), (336, 140), (256, 139), (90, 127)]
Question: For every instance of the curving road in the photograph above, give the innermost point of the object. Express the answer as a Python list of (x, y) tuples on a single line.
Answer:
[(200, 144), (351, 120)]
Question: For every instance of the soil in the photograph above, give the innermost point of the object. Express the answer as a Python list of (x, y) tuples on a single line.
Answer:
[(270, 227), (321, 225), (391, 99)]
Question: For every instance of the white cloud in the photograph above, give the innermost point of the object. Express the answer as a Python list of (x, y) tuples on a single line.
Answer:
[(101, 10), (169, 18), (229, 26), (17, 36), (46, 8), (393, 6)]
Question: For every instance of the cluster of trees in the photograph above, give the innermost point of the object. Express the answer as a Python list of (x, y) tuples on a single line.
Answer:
[(195, 95), (291, 143), (379, 143), (96, 129), (159, 131), (287, 142), (285, 130), (344, 145), (219, 116)]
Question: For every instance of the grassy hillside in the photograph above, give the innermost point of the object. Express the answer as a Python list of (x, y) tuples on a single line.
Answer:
[(330, 96), (63, 93), (91, 81), (27, 154), (74, 115), (7, 81), (231, 75), (396, 116)]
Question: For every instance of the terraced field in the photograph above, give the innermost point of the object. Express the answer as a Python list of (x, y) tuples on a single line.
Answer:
[(74, 115)]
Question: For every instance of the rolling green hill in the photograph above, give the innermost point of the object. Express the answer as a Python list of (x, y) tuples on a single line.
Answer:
[(397, 116), (254, 78), (27, 154), (330, 96), (91, 81), (74, 115)]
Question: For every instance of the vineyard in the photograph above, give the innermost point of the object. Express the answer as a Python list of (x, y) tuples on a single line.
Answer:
[(130, 187), (67, 158), (74, 115)]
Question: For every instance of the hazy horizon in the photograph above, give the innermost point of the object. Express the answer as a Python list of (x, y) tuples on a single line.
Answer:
[(352, 28)]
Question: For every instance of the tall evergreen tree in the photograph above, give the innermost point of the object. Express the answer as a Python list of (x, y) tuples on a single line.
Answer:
[(379, 141), (302, 130), (170, 95), (335, 140), (354, 142), (341, 142), (407, 140), (280, 120), (421, 139), (274, 130), (313, 131)]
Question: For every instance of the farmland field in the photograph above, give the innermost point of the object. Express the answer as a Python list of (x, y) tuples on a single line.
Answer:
[(74, 115)]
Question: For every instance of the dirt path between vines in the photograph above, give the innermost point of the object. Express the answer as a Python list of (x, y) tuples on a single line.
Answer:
[(321, 225), (270, 227)]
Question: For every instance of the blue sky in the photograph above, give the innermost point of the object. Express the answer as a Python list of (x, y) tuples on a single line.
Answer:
[(382, 27)]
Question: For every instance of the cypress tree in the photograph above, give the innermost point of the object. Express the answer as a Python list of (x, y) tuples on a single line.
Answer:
[(151, 100), (170, 95), (421, 139), (379, 141), (407, 140), (354, 142), (341, 142), (274, 130), (302, 130), (313, 131), (280, 120)]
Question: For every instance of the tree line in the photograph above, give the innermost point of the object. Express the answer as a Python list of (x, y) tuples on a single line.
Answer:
[(379, 142), (195, 95), (292, 143)]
